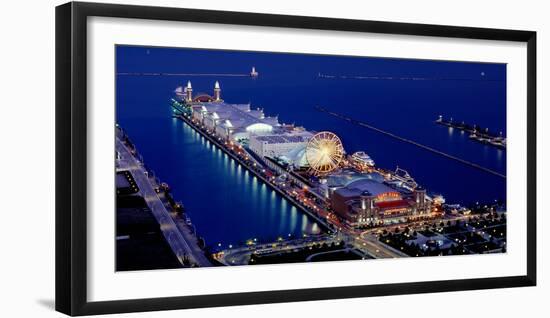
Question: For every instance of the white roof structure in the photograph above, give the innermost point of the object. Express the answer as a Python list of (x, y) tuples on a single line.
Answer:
[(296, 157), (346, 177), (239, 117)]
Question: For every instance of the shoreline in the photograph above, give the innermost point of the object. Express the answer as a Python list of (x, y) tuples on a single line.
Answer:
[(181, 236)]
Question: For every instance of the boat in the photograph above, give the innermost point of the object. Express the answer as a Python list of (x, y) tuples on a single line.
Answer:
[(361, 158)]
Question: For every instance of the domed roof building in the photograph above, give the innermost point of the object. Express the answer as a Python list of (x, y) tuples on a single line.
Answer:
[(346, 177), (230, 121), (371, 200)]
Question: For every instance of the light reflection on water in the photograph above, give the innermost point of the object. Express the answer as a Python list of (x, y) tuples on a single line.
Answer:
[(226, 202)]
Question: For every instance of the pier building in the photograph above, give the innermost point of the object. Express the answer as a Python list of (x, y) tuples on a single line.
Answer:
[(240, 122), (233, 121), (278, 145), (369, 201), (296, 157), (346, 176)]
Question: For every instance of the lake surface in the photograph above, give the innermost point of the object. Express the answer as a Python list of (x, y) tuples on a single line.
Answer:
[(229, 206)]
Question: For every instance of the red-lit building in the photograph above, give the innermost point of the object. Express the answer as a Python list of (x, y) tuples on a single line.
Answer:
[(368, 201)]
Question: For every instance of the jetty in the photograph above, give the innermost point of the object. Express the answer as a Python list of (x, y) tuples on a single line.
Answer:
[(483, 136)]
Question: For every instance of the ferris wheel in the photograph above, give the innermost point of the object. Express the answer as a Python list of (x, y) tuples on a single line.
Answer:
[(324, 152)]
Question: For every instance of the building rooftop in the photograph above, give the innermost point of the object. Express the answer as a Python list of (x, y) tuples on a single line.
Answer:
[(279, 139), (364, 187), (346, 177), (237, 116)]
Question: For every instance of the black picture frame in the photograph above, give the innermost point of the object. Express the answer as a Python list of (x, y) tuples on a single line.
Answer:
[(71, 157)]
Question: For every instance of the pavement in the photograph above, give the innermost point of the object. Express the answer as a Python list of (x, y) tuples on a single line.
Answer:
[(241, 255), (352, 250), (372, 246)]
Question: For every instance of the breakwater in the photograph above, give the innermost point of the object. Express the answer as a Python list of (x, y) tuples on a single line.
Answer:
[(412, 142), (183, 74)]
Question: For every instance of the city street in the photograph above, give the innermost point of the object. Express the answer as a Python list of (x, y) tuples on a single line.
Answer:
[(181, 246), (241, 255)]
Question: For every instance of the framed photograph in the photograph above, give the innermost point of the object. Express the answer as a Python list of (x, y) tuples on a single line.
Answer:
[(209, 158)]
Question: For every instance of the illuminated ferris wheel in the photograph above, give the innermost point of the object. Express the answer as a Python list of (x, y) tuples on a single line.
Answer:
[(324, 152)]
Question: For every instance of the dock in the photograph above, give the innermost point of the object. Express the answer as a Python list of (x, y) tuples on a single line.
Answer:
[(483, 136)]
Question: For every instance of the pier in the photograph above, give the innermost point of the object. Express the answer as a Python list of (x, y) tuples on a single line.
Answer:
[(412, 142), (253, 139), (476, 134)]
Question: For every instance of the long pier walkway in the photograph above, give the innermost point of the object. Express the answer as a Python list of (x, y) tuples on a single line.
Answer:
[(412, 142)]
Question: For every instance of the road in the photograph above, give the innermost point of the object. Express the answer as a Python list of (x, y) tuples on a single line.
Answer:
[(241, 255), (181, 246), (370, 245), (349, 250)]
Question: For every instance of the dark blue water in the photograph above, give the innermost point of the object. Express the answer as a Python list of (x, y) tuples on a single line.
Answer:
[(229, 206)]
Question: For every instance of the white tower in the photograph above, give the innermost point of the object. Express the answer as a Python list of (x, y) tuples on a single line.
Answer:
[(189, 91), (253, 73), (217, 92)]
